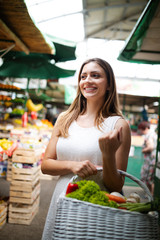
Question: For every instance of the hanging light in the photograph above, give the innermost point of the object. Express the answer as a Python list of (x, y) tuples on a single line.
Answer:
[(1, 61)]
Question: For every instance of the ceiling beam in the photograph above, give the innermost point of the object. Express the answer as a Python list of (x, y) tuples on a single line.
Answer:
[(113, 25), (7, 32), (87, 10)]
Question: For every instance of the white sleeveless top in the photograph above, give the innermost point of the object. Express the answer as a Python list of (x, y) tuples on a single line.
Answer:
[(82, 143)]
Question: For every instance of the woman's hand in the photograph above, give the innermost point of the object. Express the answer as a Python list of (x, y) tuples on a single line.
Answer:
[(115, 147), (83, 169), (110, 142)]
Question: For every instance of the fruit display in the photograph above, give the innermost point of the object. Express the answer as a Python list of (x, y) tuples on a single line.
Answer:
[(8, 86), (5, 144), (18, 100), (8, 104), (4, 98), (47, 123), (33, 107), (17, 111)]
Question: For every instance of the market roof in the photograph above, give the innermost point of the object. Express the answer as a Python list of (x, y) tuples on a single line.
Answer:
[(112, 20), (140, 101), (143, 45), (17, 30)]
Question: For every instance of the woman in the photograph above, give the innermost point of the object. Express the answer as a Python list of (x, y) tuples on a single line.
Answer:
[(149, 153), (91, 132)]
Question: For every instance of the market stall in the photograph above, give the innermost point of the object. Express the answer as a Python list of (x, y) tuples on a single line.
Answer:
[(26, 54), (143, 46)]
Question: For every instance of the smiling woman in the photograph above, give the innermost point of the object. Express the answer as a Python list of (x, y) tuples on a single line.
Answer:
[(91, 133)]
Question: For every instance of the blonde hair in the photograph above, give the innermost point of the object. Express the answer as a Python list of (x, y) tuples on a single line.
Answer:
[(109, 108)]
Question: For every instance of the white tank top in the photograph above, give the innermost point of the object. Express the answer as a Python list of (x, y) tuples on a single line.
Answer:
[(82, 143)]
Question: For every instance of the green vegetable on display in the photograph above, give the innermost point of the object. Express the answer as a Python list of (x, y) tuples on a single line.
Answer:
[(17, 111)]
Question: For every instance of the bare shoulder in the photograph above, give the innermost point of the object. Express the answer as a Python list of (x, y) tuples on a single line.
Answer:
[(61, 115), (55, 132), (126, 130), (122, 123)]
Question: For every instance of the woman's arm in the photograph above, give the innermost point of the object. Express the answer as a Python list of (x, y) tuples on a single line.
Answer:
[(50, 165), (115, 147), (149, 146)]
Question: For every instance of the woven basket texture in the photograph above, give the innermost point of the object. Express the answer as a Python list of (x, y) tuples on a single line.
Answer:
[(83, 220)]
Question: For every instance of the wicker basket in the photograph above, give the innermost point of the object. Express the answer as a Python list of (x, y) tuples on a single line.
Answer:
[(83, 220)]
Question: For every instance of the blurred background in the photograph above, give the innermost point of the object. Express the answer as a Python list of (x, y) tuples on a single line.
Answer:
[(42, 46)]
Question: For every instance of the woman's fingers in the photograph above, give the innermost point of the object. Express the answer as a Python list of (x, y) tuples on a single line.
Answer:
[(85, 169), (111, 141)]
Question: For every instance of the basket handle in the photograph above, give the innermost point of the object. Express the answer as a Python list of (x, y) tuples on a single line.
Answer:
[(139, 182)]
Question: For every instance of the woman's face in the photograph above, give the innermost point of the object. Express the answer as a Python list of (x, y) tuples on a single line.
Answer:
[(93, 82)]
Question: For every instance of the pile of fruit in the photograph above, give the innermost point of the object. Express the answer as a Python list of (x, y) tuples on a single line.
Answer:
[(8, 86), (4, 98), (5, 144)]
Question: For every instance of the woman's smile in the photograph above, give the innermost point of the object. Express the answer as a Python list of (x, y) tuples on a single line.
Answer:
[(90, 89)]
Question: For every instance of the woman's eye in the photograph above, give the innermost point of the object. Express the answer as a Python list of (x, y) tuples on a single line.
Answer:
[(95, 75), (83, 77)]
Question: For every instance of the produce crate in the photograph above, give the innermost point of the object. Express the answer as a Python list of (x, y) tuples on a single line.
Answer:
[(23, 213), (24, 193), (9, 169), (24, 196), (25, 185), (25, 174), (3, 214), (23, 155)]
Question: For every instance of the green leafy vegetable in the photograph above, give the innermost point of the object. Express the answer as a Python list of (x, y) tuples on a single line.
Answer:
[(90, 191)]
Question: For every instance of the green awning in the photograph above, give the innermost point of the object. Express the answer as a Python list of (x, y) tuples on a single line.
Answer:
[(143, 45), (34, 65), (64, 52)]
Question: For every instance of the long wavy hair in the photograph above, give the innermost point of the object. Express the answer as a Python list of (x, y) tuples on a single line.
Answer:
[(78, 107)]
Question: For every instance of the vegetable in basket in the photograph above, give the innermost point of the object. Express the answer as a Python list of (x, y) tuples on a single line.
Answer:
[(142, 207), (90, 191), (71, 187), (117, 197)]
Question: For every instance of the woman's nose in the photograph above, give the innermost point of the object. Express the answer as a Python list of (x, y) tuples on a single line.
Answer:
[(88, 78)]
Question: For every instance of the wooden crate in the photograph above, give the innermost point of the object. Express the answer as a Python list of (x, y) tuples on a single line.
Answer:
[(24, 188), (25, 184), (25, 174), (3, 214), (20, 213), (9, 170), (23, 196), (27, 155)]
